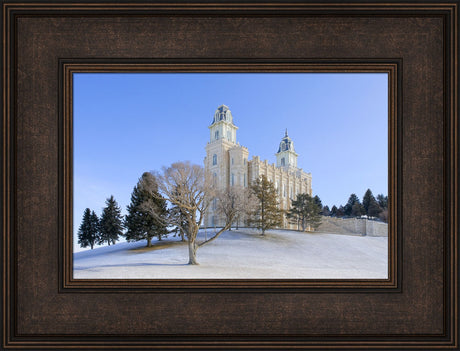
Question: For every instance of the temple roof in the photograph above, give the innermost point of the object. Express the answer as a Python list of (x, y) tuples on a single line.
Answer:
[(286, 144), (223, 113)]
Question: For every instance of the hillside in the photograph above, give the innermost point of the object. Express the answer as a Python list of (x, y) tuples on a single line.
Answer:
[(242, 254)]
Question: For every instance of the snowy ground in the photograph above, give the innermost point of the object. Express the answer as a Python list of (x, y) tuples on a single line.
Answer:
[(242, 254)]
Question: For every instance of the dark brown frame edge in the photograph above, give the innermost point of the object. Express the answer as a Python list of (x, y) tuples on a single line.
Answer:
[(69, 67), (449, 340)]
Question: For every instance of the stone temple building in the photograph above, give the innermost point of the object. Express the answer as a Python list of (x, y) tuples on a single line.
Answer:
[(227, 162)]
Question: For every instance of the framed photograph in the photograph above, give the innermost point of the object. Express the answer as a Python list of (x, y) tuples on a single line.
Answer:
[(246, 227), (230, 176)]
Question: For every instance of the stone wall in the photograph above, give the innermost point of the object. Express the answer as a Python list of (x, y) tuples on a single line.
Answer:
[(353, 226)]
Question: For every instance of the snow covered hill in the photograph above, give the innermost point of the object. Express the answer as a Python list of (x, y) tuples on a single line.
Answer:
[(242, 254)]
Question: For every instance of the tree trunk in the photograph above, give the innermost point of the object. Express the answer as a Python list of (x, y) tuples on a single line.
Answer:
[(192, 253), (91, 246), (149, 241)]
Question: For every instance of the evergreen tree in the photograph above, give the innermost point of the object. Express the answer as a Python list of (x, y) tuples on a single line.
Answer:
[(267, 215), (374, 209), (140, 222), (325, 211), (357, 209), (111, 222), (179, 217), (348, 209), (367, 199), (340, 211), (318, 201), (305, 211), (383, 201), (334, 210), (88, 232)]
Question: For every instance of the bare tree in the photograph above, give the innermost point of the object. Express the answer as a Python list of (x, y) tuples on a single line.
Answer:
[(235, 203), (188, 188)]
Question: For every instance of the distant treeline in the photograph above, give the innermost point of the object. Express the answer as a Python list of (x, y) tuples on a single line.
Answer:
[(370, 206)]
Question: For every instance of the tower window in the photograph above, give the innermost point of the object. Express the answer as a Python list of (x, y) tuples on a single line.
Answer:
[(232, 160), (214, 159), (216, 135), (214, 179), (233, 179), (229, 135), (283, 162), (245, 180), (244, 161)]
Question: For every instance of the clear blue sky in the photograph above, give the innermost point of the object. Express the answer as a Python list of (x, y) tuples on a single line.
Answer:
[(126, 124)]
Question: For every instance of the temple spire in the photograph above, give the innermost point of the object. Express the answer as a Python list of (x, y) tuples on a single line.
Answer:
[(286, 134)]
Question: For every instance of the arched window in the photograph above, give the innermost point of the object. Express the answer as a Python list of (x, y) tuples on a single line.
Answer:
[(214, 159), (232, 160), (245, 180), (216, 135), (233, 179), (283, 162), (229, 135)]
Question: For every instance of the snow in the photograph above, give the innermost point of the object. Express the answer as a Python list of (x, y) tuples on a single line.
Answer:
[(242, 254)]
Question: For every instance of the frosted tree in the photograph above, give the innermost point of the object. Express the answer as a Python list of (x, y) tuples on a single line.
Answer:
[(188, 188), (235, 203)]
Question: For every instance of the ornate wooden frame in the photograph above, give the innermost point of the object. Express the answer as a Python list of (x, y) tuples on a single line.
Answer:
[(44, 43)]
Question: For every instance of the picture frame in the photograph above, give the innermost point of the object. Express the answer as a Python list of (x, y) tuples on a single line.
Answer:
[(46, 42)]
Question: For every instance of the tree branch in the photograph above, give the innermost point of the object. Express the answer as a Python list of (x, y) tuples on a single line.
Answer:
[(227, 226)]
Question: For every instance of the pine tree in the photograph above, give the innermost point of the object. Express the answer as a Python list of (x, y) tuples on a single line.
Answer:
[(348, 209), (111, 222), (142, 224), (374, 209), (305, 211), (179, 217), (334, 210), (357, 209), (340, 211), (318, 201), (367, 199), (383, 201), (267, 215), (326, 211), (88, 232)]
